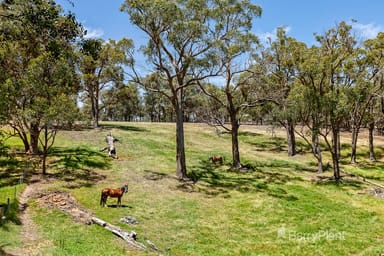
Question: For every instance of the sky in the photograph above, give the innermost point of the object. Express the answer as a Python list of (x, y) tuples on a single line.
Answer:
[(301, 18)]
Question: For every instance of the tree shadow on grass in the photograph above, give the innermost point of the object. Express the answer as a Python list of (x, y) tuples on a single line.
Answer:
[(125, 127), (215, 181), (347, 182), (263, 142), (10, 171), (11, 212), (277, 144), (374, 172), (76, 166), (118, 206), (154, 175)]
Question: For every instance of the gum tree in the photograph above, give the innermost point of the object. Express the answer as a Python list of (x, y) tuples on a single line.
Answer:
[(321, 97), (337, 48), (233, 47), (187, 43), (306, 101), (371, 84), (281, 58), (101, 66), (178, 53)]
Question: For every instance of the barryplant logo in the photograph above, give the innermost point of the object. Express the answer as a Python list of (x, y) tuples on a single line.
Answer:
[(283, 233)]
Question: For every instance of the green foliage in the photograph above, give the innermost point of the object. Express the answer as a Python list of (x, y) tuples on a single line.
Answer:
[(101, 64), (40, 83), (122, 103)]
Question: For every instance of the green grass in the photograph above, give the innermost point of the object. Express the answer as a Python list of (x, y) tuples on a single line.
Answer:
[(69, 238), (276, 209)]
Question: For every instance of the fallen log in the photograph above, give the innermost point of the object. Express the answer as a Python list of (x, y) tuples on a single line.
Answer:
[(129, 237)]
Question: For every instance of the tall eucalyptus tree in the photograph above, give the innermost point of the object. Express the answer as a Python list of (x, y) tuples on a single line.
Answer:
[(233, 47), (337, 48), (282, 58), (374, 82), (183, 38), (177, 36), (102, 65), (325, 83)]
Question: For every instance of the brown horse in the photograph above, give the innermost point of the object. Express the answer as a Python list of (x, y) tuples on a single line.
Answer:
[(216, 159), (118, 192)]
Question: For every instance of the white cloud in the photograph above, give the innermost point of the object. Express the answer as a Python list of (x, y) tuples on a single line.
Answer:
[(265, 37), (94, 33), (367, 31)]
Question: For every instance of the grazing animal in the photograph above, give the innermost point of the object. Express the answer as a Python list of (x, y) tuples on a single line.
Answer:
[(216, 159), (118, 192)]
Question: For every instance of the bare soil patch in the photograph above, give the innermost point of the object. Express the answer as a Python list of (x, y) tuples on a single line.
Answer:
[(67, 203)]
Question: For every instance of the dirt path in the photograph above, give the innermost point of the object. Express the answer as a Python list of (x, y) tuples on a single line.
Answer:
[(31, 242)]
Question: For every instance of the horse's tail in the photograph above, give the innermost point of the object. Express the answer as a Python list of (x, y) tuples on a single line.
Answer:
[(101, 198)]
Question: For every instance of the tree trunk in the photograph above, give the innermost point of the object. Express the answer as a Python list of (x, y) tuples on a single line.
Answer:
[(355, 133), (338, 145), (44, 160), (94, 108), (336, 166), (235, 124), (372, 156), (181, 169), (24, 138), (235, 142), (95, 117), (335, 152), (45, 150), (317, 152), (34, 139), (291, 140)]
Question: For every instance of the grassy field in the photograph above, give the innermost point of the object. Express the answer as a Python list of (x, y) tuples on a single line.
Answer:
[(279, 208)]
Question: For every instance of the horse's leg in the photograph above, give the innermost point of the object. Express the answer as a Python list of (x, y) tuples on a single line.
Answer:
[(105, 200), (102, 199), (119, 201)]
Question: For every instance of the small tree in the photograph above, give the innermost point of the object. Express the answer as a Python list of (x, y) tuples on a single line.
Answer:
[(55, 105), (101, 66), (337, 49), (236, 42), (281, 59), (60, 113)]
